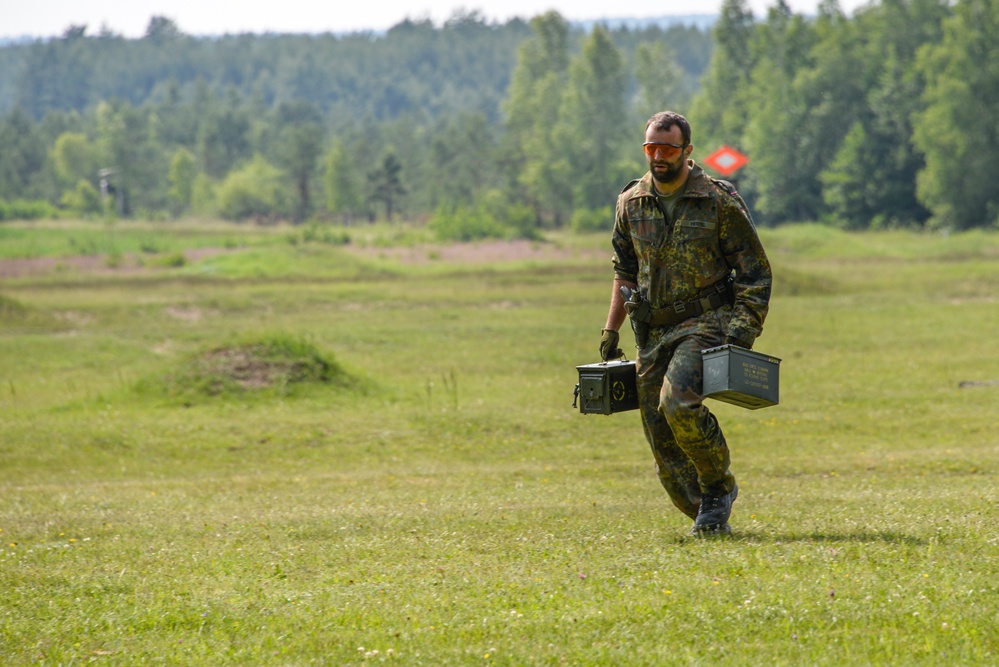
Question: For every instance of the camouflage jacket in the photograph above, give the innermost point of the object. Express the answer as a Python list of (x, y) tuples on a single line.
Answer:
[(711, 234)]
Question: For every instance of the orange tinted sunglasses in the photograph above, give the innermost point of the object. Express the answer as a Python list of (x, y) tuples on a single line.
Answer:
[(668, 151)]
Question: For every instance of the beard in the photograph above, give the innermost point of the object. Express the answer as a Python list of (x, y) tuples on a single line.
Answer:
[(666, 172)]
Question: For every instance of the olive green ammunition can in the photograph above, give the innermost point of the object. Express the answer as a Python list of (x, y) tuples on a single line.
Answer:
[(741, 377), (606, 388)]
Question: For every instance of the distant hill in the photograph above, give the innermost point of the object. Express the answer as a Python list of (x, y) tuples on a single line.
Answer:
[(700, 21), (414, 66), (22, 39)]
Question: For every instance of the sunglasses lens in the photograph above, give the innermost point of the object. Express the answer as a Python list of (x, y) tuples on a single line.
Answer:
[(665, 150)]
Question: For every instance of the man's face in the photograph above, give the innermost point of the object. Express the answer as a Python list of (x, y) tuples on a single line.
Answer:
[(666, 153)]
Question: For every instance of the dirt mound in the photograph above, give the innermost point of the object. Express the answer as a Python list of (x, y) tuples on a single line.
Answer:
[(275, 363)]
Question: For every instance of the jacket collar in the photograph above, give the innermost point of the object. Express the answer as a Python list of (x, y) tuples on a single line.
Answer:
[(698, 184)]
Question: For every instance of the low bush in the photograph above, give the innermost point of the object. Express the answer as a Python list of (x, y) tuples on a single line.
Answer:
[(596, 220), (492, 218), (24, 209)]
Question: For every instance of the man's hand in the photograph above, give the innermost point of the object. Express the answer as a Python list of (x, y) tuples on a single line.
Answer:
[(608, 345)]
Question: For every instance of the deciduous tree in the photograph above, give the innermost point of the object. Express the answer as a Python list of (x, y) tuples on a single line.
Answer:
[(530, 152), (957, 132), (183, 173), (592, 126)]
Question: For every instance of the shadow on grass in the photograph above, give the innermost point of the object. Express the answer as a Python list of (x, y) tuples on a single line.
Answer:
[(862, 537)]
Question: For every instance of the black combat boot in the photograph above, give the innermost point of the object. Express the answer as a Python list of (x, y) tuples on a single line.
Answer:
[(712, 518)]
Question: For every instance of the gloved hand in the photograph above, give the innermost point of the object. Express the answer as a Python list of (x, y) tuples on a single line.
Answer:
[(608, 345), (738, 342)]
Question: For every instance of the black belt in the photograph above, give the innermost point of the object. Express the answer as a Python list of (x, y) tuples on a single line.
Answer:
[(715, 296)]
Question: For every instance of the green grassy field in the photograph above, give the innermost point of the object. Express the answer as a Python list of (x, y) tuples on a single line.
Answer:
[(441, 502)]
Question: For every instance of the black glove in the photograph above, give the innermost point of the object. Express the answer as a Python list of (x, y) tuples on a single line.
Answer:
[(608, 345), (738, 342)]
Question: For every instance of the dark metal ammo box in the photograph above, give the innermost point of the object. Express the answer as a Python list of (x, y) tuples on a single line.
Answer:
[(606, 388), (741, 377)]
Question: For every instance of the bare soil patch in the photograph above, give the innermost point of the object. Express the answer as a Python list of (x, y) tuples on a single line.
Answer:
[(481, 252), (474, 253), (89, 264)]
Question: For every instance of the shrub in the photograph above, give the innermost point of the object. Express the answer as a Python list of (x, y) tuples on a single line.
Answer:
[(492, 217), (172, 260), (24, 209), (316, 233), (204, 201), (592, 220), (256, 191), (84, 200), (465, 224)]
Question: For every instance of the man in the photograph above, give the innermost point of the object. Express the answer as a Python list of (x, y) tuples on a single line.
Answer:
[(695, 276)]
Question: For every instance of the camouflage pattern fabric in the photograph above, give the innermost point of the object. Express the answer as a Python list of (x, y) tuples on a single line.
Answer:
[(690, 451), (710, 236)]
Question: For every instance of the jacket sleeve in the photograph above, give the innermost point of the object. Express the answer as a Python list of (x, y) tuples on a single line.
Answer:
[(753, 277), (625, 259)]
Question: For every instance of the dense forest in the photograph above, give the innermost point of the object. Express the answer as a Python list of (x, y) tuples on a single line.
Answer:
[(884, 118)]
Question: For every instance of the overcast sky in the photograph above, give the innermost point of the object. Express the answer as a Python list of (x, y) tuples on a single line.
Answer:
[(44, 18)]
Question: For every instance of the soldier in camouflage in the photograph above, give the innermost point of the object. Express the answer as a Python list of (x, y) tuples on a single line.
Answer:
[(686, 249)]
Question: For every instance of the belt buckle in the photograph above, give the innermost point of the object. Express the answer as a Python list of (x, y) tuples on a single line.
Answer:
[(679, 307)]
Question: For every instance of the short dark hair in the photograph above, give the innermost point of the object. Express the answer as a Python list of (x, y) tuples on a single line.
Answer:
[(664, 120)]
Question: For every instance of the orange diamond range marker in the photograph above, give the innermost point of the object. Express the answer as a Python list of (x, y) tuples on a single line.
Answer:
[(726, 160)]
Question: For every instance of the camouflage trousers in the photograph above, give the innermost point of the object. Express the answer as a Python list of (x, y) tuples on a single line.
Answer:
[(692, 457)]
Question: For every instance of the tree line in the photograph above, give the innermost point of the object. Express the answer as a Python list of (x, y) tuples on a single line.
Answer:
[(879, 119), (884, 119), (346, 127)]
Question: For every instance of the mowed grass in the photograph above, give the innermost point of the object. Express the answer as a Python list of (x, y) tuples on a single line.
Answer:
[(448, 506)]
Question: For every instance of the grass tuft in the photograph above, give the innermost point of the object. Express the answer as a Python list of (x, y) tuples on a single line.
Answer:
[(15, 315), (11, 309), (274, 362)]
